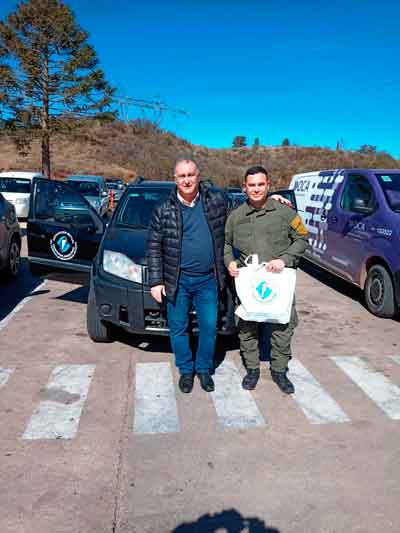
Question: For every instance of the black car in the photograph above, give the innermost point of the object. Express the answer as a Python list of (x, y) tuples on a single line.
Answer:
[(65, 234), (10, 239)]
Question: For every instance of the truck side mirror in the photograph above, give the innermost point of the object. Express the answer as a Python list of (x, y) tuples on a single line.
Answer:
[(359, 205)]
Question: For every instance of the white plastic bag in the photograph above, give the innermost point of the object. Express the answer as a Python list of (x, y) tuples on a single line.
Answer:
[(264, 296)]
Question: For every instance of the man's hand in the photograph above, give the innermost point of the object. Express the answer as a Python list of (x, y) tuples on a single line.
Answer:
[(281, 199), (233, 269), (157, 292), (276, 265)]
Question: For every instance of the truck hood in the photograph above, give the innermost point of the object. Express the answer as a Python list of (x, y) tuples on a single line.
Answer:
[(130, 242)]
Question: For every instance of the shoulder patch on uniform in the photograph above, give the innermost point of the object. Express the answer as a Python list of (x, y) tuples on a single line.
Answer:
[(298, 226)]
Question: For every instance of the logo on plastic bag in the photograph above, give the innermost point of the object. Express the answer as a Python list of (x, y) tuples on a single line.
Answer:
[(263, 292)]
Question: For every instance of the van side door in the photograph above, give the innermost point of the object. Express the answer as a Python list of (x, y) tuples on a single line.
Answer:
[(350, 224), (63, 230)]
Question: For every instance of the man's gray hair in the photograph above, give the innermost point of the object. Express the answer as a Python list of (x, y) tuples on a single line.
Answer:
[(185, 159)]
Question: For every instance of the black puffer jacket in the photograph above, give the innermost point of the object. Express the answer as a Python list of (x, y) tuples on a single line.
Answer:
[(165, 239)]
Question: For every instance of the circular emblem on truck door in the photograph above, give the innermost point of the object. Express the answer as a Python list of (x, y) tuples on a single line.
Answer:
[(63, 245)]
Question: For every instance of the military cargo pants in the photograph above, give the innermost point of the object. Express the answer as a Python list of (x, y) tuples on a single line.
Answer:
[(281, 337)]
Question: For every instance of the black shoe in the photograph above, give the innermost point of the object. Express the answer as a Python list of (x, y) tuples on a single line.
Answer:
[(206, 381), (186, 383), (282, 381), (251, 378)]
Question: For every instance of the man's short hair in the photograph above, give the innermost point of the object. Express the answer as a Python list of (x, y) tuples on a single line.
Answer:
[(257, 169), (185, 159)]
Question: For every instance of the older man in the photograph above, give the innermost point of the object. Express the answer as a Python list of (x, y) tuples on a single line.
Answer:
[(185, 262)]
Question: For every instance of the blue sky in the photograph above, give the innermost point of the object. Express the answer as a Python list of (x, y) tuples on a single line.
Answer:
[(313, 71)]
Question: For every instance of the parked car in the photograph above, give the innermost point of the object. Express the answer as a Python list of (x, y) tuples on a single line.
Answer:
[(93, 189), (353, 219), (66, 235), (10, 239), (16, 188)]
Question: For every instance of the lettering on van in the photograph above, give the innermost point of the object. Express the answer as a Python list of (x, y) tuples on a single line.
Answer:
[(301, 185), (354, 225), (386, 232)]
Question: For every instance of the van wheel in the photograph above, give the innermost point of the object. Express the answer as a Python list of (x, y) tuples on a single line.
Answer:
[(96, 329), (379, 292), (14, 258)]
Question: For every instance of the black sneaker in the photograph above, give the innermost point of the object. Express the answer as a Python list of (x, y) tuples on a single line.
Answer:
[(206, 381), (186, 383), (283, 382), (250, 380)]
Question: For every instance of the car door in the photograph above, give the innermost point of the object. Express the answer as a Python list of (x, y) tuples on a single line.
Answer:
[(63, 230), (349, 229)]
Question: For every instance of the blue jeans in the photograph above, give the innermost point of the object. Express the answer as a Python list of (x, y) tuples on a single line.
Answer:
[(201, 291)]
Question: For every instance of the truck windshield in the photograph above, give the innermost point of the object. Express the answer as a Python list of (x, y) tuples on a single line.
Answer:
[(139, 206), (87, 188), (18, 185), (390, 184)]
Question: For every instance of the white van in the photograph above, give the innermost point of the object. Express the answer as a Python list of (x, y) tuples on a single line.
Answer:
[(16, 188)]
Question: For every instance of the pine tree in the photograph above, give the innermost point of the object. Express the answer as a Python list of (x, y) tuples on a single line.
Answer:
[(239, 141), (49, 75)]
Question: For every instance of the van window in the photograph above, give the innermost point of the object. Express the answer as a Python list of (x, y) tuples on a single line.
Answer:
[(56, 203), (88, 188), (17, 185), (390, 183), (357, 187)]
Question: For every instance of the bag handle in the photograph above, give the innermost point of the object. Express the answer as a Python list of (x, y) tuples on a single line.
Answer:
[(256, 265)]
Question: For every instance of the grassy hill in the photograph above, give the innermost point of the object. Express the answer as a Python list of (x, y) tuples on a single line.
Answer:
[(141, 148)]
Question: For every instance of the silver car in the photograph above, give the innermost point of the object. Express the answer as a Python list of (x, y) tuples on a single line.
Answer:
[(94, 190), (10, 239)]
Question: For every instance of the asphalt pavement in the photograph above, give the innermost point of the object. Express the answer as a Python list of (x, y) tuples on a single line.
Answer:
[(98, 438)]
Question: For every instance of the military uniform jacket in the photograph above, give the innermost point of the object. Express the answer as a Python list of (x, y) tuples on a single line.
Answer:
[(273, 232)]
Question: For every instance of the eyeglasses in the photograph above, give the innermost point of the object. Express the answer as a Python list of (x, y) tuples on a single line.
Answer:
[(183, 176)]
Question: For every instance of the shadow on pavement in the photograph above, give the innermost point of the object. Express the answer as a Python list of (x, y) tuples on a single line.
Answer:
[(13, 291), (78, 295), (229, 521)]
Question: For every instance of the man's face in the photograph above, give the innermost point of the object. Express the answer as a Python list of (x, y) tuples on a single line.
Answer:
[(187, 179), (256, 187)]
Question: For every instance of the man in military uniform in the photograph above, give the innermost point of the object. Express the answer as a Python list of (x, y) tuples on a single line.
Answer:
[(277, 234)]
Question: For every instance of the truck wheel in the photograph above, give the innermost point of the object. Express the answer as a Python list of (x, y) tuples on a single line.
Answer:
[(379, 292), (96, 329), (14, 258)]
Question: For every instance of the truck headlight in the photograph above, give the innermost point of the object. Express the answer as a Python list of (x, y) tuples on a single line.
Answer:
[(120, 265)]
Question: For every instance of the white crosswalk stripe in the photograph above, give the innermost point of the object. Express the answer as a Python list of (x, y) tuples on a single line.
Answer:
[(58, 416), (375, 385), (235, 407), (395, 358), (155, 409), (5, 374), (155, 402), (318, 406)]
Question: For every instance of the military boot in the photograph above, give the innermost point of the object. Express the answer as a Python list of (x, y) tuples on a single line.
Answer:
[(251, 378), (283, 382)]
